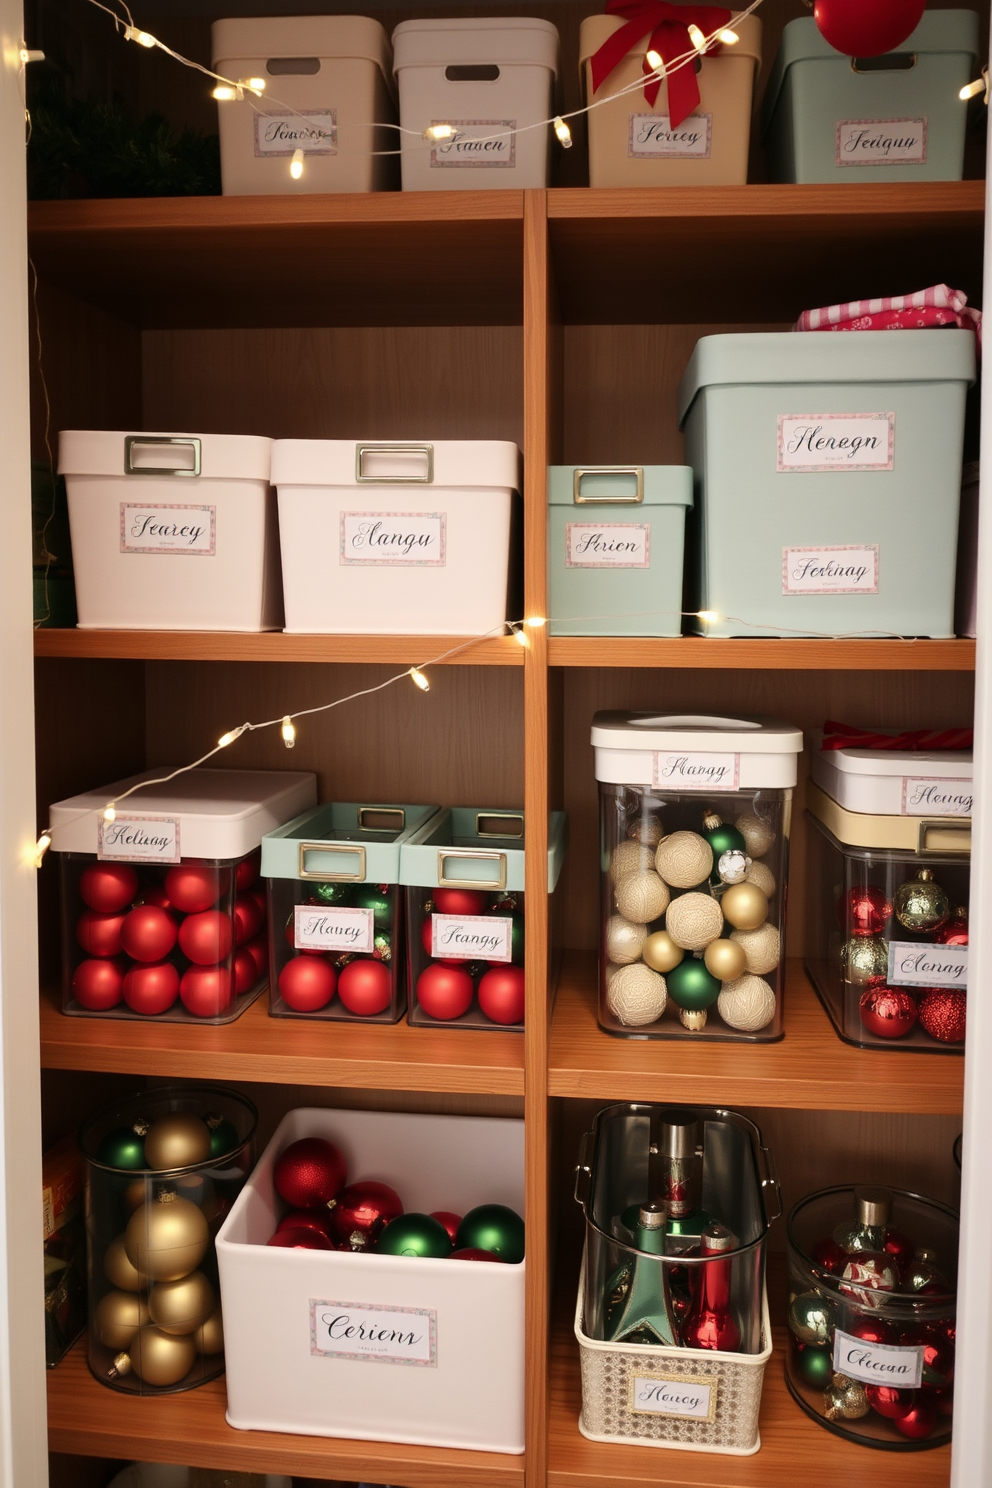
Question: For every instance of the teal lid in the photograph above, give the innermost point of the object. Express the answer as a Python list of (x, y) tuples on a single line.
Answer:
[(481, 848), (619, 485), (943, 354), (343, 841)]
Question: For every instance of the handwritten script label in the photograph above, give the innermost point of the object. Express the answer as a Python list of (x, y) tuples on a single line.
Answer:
[(697, 772), (393, 539), (843, 570), (169, 529), (915, 965), (607, 544), (881, 142), (479, 143), (315, 133), (332, 928), (836, 441), (471, 937), (651, 137), (878, 1363), (922, 797), (652, 1395), (361, 1330), (134, 839)]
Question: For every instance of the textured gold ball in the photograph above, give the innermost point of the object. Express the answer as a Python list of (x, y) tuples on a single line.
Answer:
[(864, 960), (762, 947), (693, 920), (684, 859), (745, 906), (119, 1315), (161, 1359), (166, 1240), (646, 830), (641, 897), (624, 940), (762, 877), (630, 857), (747, 1004), (209, 1338), (182, 1306), (725, 960), (660, 952), (695, 1021), (636, 996), (118, 1269), (758, 835), (177, 1141), (921, 905)]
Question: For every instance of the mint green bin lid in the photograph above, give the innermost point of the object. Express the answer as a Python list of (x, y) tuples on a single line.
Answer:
[(476, 847), (344, 842)]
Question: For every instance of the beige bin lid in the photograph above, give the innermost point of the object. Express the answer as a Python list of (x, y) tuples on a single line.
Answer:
[(906, 833), (329, 37), (595, 29)]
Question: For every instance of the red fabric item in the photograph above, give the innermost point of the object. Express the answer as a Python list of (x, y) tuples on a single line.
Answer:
[(846, 736), (669, 31), (937, 306)]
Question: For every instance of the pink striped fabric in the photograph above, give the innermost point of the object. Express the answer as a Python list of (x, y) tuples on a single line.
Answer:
[(938, 306)]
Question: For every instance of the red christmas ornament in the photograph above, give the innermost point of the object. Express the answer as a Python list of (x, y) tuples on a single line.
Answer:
[(889, 1402), (364, 1209), (472, 1253), (151, 988), (867, 1274), (900, 1247), (155, 894), (887, 1012), (207, 991), (246, 872), (148, 933), (307, 983), (449, 1220), (258, 949), (870, 1330), (829, 1256), (108, 887), (260, 894), (99, 934), (943, 1400), (865, 911), (444, 992), (501, 994), (938, 1354), (919, 1420), (207, 937), (867, 28), (301, 1239), (459, 901), (310, 1173), (366, 987), (942, 1015), (99, 985), (195, 886), (307, 1219), (245, 974), (955, 932), (247, 918)]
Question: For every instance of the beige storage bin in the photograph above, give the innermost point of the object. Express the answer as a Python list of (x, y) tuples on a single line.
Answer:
[(632, 144)]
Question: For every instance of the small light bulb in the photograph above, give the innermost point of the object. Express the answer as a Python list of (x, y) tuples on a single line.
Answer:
[(563, 132), (655, 61), (439, 132), (109, 814), (521, 637), (729, 38), (972, 90), (257, 85), (536, 621), (696, 37), (296, 165), (420, 679), (708, 617), (227, 738), (41, 847), (27, 54), (288, 732), (143, 38), (224, 94)]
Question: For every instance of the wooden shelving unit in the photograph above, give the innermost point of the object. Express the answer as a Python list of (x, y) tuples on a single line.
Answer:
[(181, 645), (715, 653)]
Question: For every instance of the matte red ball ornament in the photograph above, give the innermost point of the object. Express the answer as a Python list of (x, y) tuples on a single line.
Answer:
[(366, 987), (155, 894), (867, 28), (308, 1219), (99, 985), (501, 994), (449, 1220), (247, 918), (919, 1420), (364, 1209), (459, 901), (148, 933), (889, 1402), (472, 1253), (310, 1173), (865, 911), (207, 937), (444, 992), (108, 887), (207, 991), (887, 1012), (258, 949), (245, 975), (301, 1239), (942, 1015), (307, 983), (261, 897), (151, 988), (246, 872), (99, 934), (829, 1256), (196, 886)]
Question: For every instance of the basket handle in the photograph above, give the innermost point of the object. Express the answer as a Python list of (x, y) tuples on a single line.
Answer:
[(583, 1169), (769, 1181)]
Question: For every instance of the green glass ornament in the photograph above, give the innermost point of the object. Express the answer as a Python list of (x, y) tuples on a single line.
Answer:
[(123, 1148), (223, 1136), (379, 899), (722, 838), (331, 893), (493, 1227), (415, 1235), (816, 1367), (691, 986), (812, 1319)]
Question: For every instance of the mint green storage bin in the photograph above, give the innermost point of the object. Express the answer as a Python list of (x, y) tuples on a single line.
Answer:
[(616, 536), (899, 117), (828, 475)]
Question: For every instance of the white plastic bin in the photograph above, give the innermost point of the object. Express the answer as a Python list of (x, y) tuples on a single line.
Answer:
[(470, 1391), (395, 539), (489, 78), (172, 531), (328, 92)]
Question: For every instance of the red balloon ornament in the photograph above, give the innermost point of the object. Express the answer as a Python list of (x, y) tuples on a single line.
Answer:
[(829, 1256), (366, 987), (919, 1420), (245, 973), (459, 901), (889, 1402), (444, 992), (99, 934), (310, 1173), (151, 988), (472, 1253), (501, 994), (247, 918), (865, 911), (207, 937), (99, 985), (246, 872), (306, 983), (155, 894), (148, 933), (449, 1220), (870, 1330), (867, 28), (195, 886), (887, 1012), (301, 1239), (108, 887), (258, 949), (942, 1015), (363, 1211), (207, 991)]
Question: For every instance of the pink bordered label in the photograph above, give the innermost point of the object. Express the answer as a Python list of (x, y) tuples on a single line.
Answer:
[(696, 772), (881, 142), (374, 1333), (651, 137), (471, 937), (332, 928), (315, 133), (607, 545), (810, 442), (139, 839), (393, 539), (923, 796), (847, 569), (167, 528), (481, 144)]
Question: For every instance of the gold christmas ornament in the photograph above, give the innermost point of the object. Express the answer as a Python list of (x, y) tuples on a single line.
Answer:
[(137, 1191), (119, 1315), (636, 996), (693, 920), (693, 1020), (845, 1399), (641, 897), (118, 1269), (209, 1337), (864, 960), (647, 830), (725, 960), (762, 877), (758, 835), (624, 940), (166, 1239), (660, 952), (745, 906), (762, 947), (684, 859), (748, 1004), (161, 1359), (630, 857), (182, 1306), (177, 1141), (921, 904), (120, 1366)]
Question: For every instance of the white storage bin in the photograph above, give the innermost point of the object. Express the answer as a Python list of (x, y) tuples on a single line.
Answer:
[(395, 539), (172, 531), (328, 92), (469, 1392), (889, 782), (487, 77)]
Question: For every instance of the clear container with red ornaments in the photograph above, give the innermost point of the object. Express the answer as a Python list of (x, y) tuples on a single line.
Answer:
[(466, 917), (163, 910), (336, 911), (872, 1297)]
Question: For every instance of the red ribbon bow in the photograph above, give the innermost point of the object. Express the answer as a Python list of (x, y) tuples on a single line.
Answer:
[(669, 28), (845, 736)]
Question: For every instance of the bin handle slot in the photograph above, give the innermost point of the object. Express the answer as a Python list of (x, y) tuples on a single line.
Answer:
[(889, 62), (333, 849), (499, 824), (292, 66), (943, 836), (624, 472), (138, 442), (452, 880), (472, 72), (381, 818), (418, 452)]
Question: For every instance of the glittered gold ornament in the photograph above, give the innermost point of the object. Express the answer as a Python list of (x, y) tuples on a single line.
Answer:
[(166, 1239), (748, 1004), (119, 1315), (630, 857), (647, 830), (161, 1359), (182, 1306), (693, 920), (684, 859), (660, 952), (624, 940), (177, 1141), (636, 996), (641, 897), (762, 877), (864, 961), (209, 1337), (725, 960), (762, 947), (845, 1399), (120, 1366), (758, 835), (118, 1269), (921, 904), (694, 1020), (745, 906)]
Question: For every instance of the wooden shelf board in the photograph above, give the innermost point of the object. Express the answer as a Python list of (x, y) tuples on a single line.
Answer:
[(288, 1051), (85, 1417), (797, 654), (810, 1068), (179, 645)]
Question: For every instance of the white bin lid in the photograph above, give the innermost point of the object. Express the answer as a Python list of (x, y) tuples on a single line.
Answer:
[(462, 463), (221, 813), (221, 456), (941, 764), (764, 750), (505, 40), (329, 37)]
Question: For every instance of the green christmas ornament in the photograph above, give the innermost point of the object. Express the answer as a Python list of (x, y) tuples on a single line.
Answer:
[(812, 1319), (691, 986), (816, 1367), (377, 898), (722, 838), (417, 1235), (382, 949), (123, 1148), (223, 1136), (493, 1227), (331, 893)]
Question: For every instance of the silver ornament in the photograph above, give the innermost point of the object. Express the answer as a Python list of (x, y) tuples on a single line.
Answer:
[(733, 866)]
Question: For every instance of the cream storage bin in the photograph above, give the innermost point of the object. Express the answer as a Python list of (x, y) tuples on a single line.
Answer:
[(897, 117), (487, 78), (467, 1389), (633, 144), (395, 539), (328, 92), (819, 460), (172, 531)]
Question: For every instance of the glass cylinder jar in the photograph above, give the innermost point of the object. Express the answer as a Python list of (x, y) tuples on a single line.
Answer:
[(163, 1170)]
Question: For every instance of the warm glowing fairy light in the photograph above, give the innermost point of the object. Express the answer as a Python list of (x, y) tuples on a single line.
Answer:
[(708, 617), (696, 37), (729, 38), (288, 731), (109, 814), (563, 132), (296, 165), (655, 61), (143, 38), (420, 679)]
